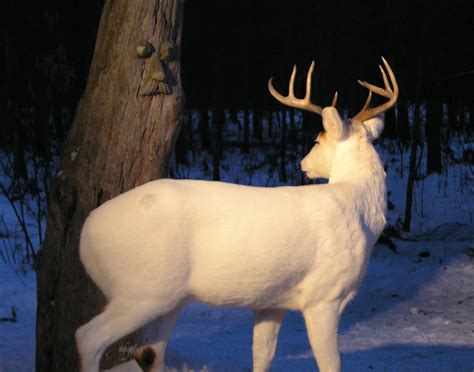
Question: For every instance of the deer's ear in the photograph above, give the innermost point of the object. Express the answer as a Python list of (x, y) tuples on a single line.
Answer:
[(374, 127), (335, 127)]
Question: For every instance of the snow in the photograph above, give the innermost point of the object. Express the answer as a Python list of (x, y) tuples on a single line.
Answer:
[(413, 313), (17, 340)]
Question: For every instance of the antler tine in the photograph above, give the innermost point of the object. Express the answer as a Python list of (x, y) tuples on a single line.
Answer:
[(366, 112), (385, 80), (367, 102), (291, 92), (309, 76), (291, 100), (334, 99)]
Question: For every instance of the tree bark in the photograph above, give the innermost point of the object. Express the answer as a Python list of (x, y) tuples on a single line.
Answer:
[(257, 122), (434, 119), (453, 121), (415, 135), (204, 126), (403, 122), (246, 133), (283, 175), (219, 123), (293, 135), (270, 124), (118, 140), (470, 126), (390, 130)]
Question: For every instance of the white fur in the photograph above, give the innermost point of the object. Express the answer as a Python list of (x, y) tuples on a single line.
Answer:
[(306, 248)]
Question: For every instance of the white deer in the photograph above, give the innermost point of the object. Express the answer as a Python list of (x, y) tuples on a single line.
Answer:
[(153, 249)]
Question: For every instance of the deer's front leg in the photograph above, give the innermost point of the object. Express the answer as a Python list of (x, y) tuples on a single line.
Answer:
[(322, 323), (265, 332)]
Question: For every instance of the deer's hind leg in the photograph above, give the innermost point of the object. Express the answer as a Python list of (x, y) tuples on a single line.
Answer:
[(151, 357), (120, 317)]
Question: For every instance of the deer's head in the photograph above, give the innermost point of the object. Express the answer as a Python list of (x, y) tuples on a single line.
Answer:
[(366, 126)]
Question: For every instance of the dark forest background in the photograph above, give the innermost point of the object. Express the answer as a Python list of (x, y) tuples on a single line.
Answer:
[(230, 49)]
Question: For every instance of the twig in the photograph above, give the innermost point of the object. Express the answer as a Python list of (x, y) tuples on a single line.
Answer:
[(18, 276), (12, 318), (20, 219)]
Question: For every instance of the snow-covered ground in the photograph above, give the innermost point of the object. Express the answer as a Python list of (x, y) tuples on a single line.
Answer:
[(414, 312), (17, 339)]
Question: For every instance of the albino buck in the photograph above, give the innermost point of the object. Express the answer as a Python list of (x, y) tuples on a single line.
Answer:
[(166, 243)]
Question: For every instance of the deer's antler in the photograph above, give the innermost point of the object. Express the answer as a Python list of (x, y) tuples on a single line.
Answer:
[(292, 101), (366, 112)]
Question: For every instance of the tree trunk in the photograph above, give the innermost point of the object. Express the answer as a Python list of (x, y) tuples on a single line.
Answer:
[(217, 138), (270, 125), (403, 123), (453, 121), (293, 135), (219, 122), (216, 159), (246, 133), (390, 130), (182, 142), (257, 122), (118, 140), (204, 126), (283, 175), (415, 136), (434, 118), (412, 168), (470, 126)]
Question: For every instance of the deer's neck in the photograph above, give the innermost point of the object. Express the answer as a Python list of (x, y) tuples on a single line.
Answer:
[(358, 166)]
